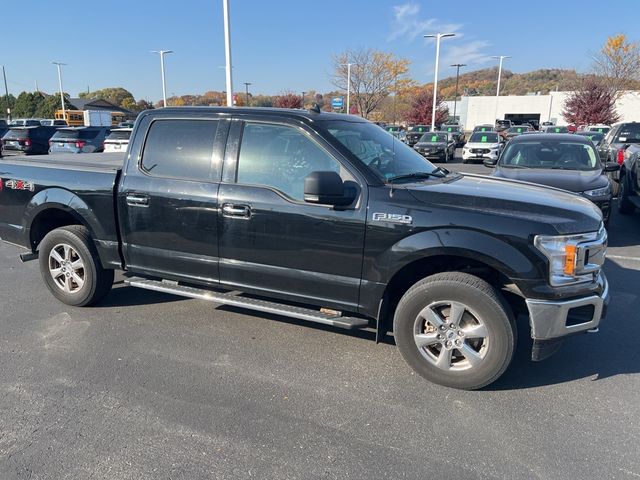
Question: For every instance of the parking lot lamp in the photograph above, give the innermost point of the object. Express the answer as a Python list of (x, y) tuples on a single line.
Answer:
[(438, 37), (348, 65), (6, 93), (58, 64), (227, 52), (455, 100), (164, 86), (500, 58)]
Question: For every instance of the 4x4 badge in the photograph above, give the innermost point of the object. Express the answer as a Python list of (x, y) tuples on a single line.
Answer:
[(393, 218)]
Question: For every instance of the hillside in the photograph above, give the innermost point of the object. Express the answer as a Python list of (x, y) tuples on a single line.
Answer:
[(483, 82)]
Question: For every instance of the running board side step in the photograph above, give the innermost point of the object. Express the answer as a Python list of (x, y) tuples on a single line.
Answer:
[(250, 303)]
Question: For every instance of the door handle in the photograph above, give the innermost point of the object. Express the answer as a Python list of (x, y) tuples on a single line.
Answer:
[(134, 200), (236, 211)]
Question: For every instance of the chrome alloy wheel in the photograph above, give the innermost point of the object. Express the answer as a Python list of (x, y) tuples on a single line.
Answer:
[(451, 336), (66, 268)]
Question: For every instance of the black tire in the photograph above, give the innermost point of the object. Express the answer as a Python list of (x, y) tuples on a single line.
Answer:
[(494, 351), (625, 207), (97, 281)]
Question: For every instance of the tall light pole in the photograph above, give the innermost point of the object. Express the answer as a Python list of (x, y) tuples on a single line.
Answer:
[(455, 100), (164, 85), (246, 89), (227, 52), (501, 58), (438, 37), (303, 92), (6, 92), (58, 64), (348, 65)]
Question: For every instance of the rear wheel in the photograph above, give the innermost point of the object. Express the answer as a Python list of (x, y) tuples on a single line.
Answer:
[(71, 268), (455, 330), (625, 206)]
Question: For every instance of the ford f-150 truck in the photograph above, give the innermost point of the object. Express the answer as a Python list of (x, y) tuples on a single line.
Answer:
[(320, 217)]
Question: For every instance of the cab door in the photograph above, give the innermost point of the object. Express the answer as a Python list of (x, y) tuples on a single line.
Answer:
[(168, 199), (270, 240)]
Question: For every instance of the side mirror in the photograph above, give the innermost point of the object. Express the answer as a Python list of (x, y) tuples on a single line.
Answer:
[(488, 162), (326, 188), (611, 167)]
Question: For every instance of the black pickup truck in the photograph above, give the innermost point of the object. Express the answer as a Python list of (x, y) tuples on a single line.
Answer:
[(320, 217)]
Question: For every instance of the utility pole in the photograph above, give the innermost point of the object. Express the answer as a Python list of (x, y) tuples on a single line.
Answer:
[(395, 91), (227, 52), (246, 89), (501, 58), (438, 37), (6, 93), (164, 85), (455, 100), (64, 111)]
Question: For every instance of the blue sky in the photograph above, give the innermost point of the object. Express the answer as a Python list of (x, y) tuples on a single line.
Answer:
[(286, 44)]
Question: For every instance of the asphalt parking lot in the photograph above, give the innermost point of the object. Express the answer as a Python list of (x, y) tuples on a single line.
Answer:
[(152, 386)]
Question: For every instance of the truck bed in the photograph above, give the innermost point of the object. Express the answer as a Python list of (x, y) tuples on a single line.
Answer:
[(93, 162)]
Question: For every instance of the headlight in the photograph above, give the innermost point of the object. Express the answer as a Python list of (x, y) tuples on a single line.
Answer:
[(598, 192), (573, 258)]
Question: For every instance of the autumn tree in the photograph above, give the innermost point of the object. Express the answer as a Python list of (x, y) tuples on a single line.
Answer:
[(593, 102), (374, 75), (618, 63), (421, 109), (143, 105), (287, 100), (115, 95)]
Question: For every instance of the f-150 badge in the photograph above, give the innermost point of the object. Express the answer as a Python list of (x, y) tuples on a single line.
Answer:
[(393, 218)]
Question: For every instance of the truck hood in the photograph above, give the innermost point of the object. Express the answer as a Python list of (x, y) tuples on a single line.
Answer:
[(566, 212), (431, 144), (572, 180)]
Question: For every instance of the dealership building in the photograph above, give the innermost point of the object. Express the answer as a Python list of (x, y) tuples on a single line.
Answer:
[(472, 111)]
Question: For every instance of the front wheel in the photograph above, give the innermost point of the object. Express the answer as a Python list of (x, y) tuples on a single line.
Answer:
[(71, 268), (454, 329)]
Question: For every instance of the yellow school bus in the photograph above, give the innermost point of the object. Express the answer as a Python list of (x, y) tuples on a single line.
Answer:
[(75, 118)]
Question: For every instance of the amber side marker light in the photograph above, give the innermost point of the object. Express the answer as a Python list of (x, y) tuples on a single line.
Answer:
[(570, 259)]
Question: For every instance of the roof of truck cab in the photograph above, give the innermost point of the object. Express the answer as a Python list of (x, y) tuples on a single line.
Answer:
[(293, 113)]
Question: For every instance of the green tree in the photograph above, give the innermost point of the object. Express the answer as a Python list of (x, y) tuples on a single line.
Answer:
[(116, 95), (48, 105), (26, 105), (6, 102)]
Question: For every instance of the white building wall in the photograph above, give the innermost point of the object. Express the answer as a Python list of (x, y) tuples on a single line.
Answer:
[(478, 110)]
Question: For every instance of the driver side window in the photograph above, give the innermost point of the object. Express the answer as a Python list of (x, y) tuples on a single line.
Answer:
[(281, 157)]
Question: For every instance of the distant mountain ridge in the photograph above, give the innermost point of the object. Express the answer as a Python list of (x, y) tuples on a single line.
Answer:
[(484, 82)]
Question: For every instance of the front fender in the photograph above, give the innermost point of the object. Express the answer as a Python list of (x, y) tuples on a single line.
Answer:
[(495, 252)]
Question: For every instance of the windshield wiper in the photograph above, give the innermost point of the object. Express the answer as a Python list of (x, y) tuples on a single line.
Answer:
[(514, 166), (409, 176)]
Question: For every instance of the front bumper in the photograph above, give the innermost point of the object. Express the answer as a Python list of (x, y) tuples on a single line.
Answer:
[(479, 156), (552, 319)]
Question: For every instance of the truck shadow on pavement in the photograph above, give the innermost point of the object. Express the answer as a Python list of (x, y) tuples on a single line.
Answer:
[(610, 352), (126, 296)]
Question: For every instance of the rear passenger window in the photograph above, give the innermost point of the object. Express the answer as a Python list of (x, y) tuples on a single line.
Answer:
[(180, 149), (281, 157)]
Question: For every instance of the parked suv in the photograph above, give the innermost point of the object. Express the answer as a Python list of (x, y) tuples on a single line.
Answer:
[(27, 140), (456, 132), (79, 140), (611, 149), (415, 133), (118, 140), (53, 122)]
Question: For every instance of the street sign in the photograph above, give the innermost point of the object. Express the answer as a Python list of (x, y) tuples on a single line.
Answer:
[(337, 103)]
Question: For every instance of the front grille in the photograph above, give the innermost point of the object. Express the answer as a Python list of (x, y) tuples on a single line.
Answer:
[(591, 255), (480, 150)]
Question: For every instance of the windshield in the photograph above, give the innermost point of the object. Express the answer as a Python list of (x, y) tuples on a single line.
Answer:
[(485, 128), (384, 154), (484, 137), (120, 135), (420, 129), (595, 137), (16, 133), (393, 129), (550, 154), (434, 137), (503, 123), (557, 130), (518, 129), (599, 129), (448, 128), (629, 134)]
